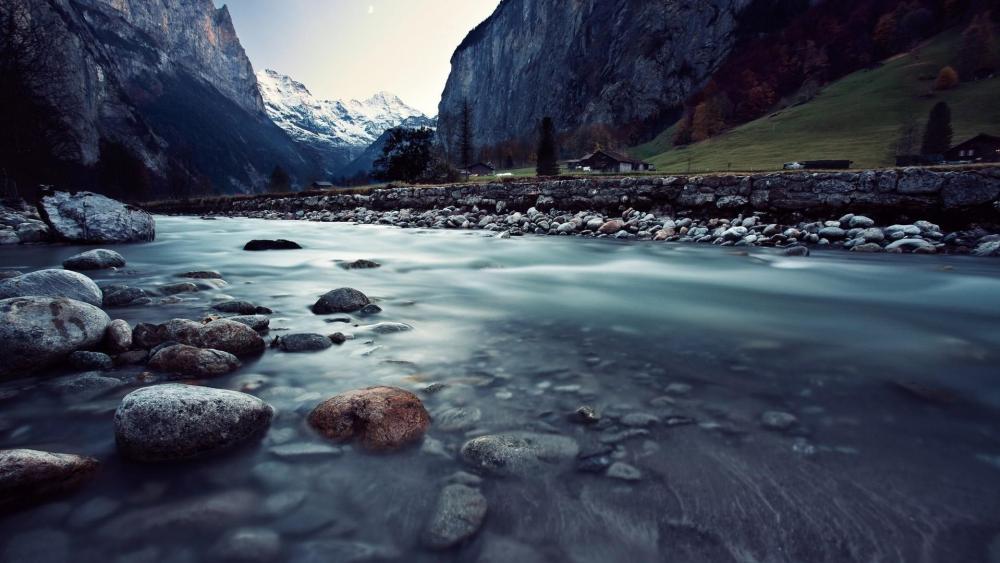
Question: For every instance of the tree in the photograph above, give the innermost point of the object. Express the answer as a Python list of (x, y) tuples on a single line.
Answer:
[(280, 180), (548, 154), (937, 135), (946, 79), (465, 142), (408, 156), (708, 120)]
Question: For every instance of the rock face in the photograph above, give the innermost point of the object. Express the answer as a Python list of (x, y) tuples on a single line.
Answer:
[(36, 332), (342, 300), (195, 362), (174, 422), (98, 259), (380, 418), (53, 283), (590, 61), (92, 218), (30, 476), (158, 76)]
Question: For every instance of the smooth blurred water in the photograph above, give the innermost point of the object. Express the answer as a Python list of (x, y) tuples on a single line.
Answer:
[(524, 331)]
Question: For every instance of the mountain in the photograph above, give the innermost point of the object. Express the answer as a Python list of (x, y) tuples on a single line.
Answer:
[(626, 63), (337, 130), (162, 89)]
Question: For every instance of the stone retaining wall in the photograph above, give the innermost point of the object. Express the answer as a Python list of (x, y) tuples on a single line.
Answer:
[(951, 196)]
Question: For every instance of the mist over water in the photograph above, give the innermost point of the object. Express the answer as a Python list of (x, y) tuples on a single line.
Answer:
[(524, 331)]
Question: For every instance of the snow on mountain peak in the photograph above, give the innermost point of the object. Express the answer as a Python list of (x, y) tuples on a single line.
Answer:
[(330, 123)]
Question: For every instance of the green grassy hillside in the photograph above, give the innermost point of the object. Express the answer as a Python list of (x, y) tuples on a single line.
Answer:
[(856, 118)]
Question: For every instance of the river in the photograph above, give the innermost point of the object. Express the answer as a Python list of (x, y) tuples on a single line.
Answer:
[(888, 362)]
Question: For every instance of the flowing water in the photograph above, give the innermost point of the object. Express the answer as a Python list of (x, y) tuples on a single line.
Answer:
[(890, 364)]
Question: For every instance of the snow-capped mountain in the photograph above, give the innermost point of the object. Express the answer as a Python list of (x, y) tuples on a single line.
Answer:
[(339, 129)]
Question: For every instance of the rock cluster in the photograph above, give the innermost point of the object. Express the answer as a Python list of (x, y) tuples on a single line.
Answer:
[(730, 210), (21, 223)]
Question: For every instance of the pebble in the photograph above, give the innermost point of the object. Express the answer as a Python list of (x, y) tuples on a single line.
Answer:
[(623, 471)]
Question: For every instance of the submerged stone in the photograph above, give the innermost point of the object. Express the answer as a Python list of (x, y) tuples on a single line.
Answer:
[(458, 515), (28, 477)]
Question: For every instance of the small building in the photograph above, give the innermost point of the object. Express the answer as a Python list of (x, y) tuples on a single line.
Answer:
[(321, 185), (480, 169), (609, 161), (981, 148)]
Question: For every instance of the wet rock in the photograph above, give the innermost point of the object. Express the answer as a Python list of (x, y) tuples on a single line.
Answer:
[(586, 415), (796, 251), (304, 343), (184, 360), (379, 418), (197, 515), (118, 336), (97, 259), (911, 244), (639, 419), (360, 265), (89, 217), (455, 419), (280, 244), (832, 233), (260, 323), (611, 227), (868, 247), (85, 386), (342, 300), (202, 275), (623, 471), (241, 308), (518, 453), (387, 328), (36, 332), (458, 515), (53, 283), (87, 361), (176, 288), (369, 310), (861, 222), (28, 477), (990, 248), (173, 422), (131, 357), (338, 338), (230, 336), (7, 274), (247, 545), (123, 296), (777, 420)]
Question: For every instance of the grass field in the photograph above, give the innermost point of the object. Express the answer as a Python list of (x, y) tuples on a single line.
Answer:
[(856, 118)]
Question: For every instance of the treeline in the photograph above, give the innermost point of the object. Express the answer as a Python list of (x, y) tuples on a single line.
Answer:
[(827, 42)]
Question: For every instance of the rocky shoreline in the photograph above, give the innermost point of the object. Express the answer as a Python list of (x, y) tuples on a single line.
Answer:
[(868, 211)]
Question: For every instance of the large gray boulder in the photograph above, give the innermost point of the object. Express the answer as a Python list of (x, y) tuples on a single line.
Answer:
[(174, 421), (36, 332), (93, 218), (29, 476), (519, 453), (53, 283)]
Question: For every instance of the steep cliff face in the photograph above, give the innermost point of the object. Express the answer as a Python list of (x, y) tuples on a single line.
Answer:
[(168, 80), (585, 62)]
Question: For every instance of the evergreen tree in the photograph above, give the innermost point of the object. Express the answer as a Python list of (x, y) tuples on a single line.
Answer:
[(548, 154), (937, 135), (465, 143), (280, 180)]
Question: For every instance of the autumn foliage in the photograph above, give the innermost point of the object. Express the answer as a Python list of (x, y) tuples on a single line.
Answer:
[(946, 79)]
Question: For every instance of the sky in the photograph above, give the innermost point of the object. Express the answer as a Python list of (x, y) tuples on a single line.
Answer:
[(355, 48)]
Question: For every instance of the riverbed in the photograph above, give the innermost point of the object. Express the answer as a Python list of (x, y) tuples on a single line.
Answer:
[(888, 364)]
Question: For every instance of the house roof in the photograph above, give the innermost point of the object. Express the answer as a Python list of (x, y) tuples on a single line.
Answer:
[(616, 156), (978, 138), (482, 164)]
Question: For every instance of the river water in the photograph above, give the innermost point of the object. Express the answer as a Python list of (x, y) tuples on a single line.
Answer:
[(889, 363)]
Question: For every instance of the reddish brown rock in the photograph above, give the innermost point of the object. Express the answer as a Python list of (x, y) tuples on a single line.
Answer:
[(380, 418)]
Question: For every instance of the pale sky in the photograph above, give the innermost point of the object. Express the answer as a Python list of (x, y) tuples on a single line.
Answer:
[(354, 48)]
